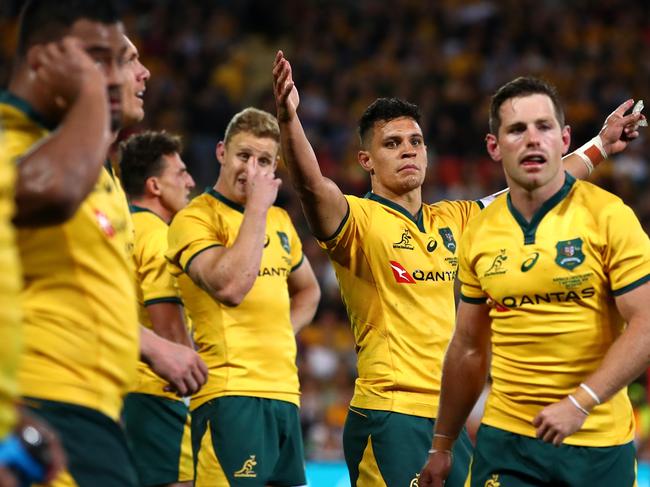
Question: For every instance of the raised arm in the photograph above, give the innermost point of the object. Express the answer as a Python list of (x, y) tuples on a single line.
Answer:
[(618, 130), (466, 362), (228, 273), (322, 201), (304, 293), (57, 175), (625, 360)]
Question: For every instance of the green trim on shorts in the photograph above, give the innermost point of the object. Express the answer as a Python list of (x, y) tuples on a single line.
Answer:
[(514, 460), (394, 447), (95, 446), (154, 429), (257, 441)]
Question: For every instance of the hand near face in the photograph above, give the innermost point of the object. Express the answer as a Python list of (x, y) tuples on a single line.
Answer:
[(261, 186), (66, 69)]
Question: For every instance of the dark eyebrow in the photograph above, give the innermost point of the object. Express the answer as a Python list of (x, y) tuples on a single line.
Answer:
[(98, 50)]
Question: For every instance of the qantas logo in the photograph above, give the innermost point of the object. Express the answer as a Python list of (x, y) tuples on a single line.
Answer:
[(402, 276)]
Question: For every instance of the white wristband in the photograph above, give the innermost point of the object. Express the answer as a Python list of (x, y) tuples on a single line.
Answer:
[(577, 405), (591, 392), (591, 153)]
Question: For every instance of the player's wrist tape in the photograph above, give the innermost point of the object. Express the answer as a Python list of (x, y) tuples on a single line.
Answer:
[(592, 153), (433, 450), (14, 455), (575, 402), (591, 392)]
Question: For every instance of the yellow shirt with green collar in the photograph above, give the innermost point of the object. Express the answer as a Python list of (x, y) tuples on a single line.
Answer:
[(155, 285), (554, 280), (250, 349), (396, 275), (81, 335), (11, 280)]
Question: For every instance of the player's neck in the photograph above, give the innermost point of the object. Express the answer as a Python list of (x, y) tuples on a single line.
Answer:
[(153, 205), (41, 102), (528, 201), (225, 190), (410, 201)]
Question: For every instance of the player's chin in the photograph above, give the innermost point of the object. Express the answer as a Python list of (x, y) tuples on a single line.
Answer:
[(411, 181), (117, 120)]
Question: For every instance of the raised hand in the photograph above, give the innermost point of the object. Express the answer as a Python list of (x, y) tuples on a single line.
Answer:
[(284, 89), (261, 186), (66, 69), (619, 129)]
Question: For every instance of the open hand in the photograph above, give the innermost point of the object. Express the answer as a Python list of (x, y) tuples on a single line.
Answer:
[(284, 89)]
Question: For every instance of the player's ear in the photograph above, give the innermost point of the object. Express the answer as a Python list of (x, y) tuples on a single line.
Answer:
[(221, 152), (492, 146), (152, 187), (566, 138), (366, 161)]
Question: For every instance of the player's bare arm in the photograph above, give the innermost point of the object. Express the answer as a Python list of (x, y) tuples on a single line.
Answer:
[(323, 202), (55, 177), (617, 132), (304, 294), (168, 321), (179, 365), (466, 362), (626, 359), (228, 273)]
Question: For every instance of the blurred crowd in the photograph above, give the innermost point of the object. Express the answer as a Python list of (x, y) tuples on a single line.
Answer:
[(209, 59)]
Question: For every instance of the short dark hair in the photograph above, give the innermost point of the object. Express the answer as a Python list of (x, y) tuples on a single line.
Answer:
[(43, 21), (520, 87), (142, 157), (386, 109)]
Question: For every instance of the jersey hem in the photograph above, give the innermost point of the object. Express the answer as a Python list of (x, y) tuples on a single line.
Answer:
[(579, 441), (286, 397), (411, 409)]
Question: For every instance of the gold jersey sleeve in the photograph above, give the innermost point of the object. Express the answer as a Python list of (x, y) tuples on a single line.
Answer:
[(553, 281), (10, 282), (155, 285), (79, 305), (249, 349), (396, 274)]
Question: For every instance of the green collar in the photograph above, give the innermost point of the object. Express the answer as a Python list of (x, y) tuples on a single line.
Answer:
[(23, 106), (529, 228), (140, 209), (224, 200), (417, 219)]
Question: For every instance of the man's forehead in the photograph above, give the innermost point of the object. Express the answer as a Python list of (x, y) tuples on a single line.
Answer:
[(400, 125), (247, 139), (99, 35), (529, 106)]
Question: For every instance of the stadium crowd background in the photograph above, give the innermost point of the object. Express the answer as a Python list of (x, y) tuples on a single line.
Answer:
[(210, 59)]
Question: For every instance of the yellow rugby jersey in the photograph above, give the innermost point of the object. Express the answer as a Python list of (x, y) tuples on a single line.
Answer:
[(10, 331), (396, 276), (554, 280), (79, 306), (155, 284), (250, 349)]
